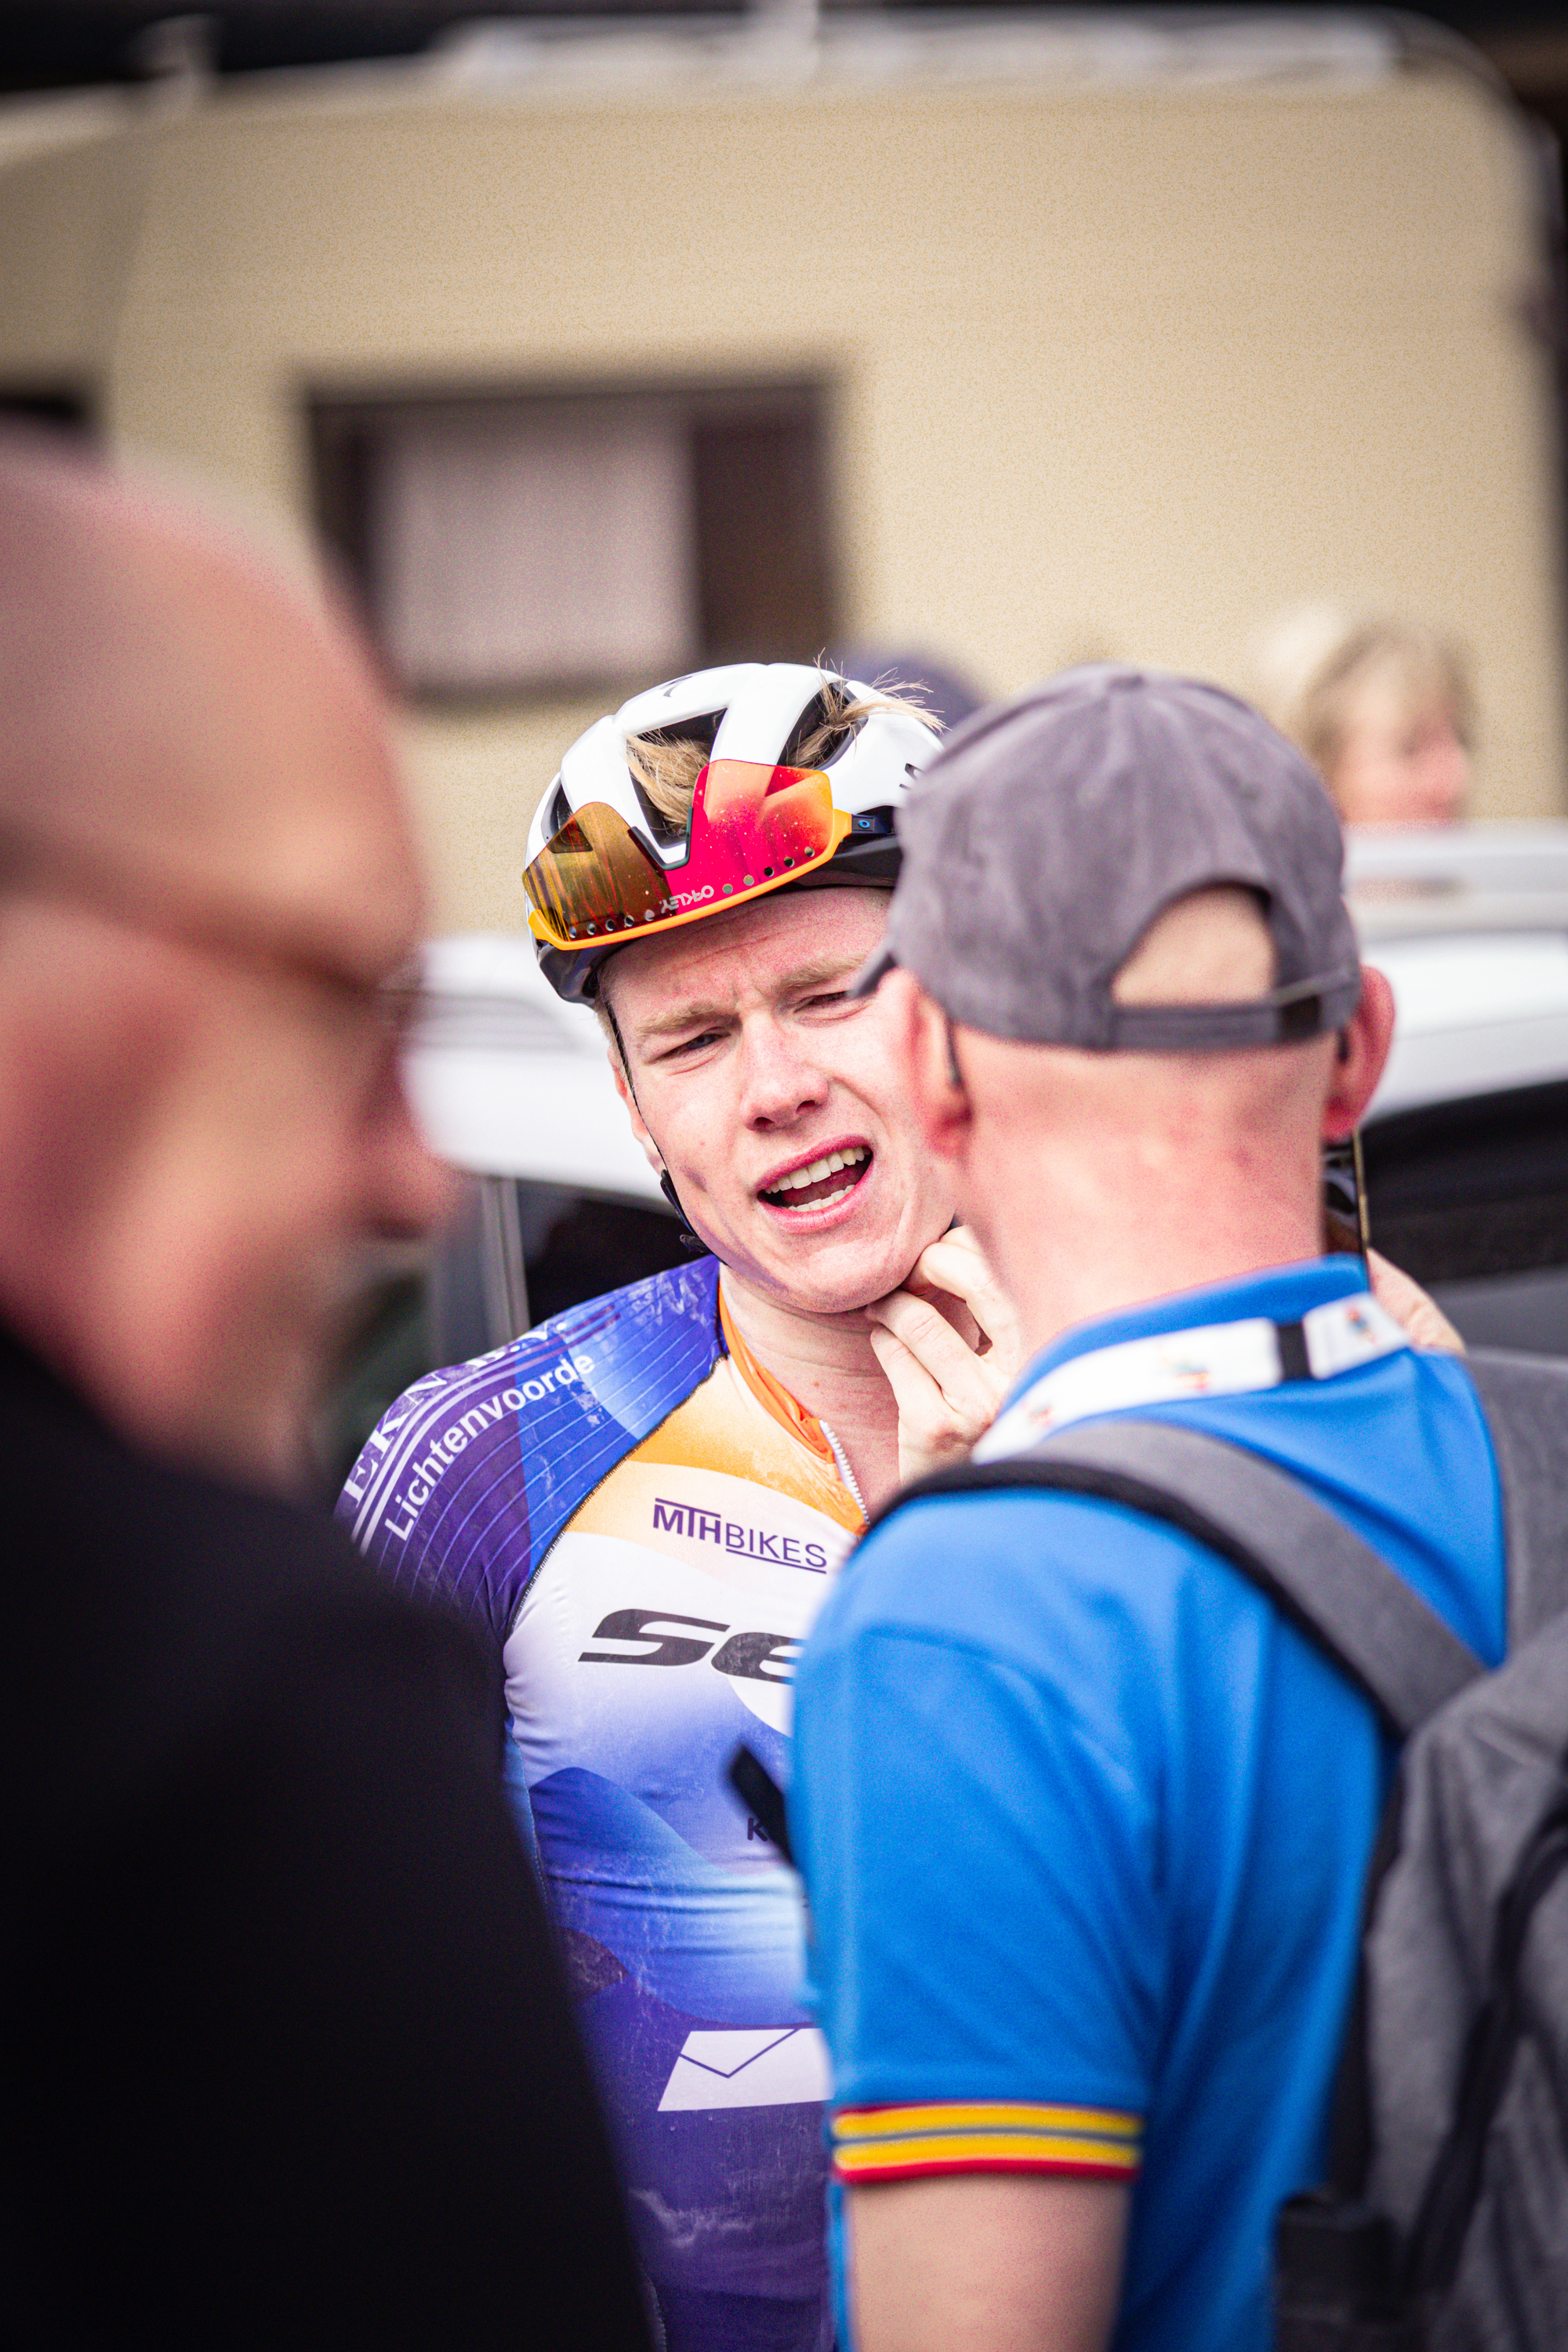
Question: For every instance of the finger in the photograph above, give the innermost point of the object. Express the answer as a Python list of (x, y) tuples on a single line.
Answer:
[(923, 1408), (1423, 1320), (971, 1384), (963, 1254), (931, 1339), (960, 1267), (929, 1433), (949, 1305)]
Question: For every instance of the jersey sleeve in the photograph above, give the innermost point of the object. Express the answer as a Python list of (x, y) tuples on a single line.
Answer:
[(986, 1957), (465, 1481)]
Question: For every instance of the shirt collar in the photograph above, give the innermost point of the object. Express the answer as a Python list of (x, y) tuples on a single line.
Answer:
[(1282, 1294), (771, 1394)]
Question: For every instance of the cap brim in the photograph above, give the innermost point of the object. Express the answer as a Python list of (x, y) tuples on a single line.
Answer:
[(872, 972)]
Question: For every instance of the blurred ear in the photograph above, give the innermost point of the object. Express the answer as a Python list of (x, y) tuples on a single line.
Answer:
[(1363, 1048), (919, 1033)]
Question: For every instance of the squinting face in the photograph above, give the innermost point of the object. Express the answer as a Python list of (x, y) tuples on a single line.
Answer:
[(771, 1099)]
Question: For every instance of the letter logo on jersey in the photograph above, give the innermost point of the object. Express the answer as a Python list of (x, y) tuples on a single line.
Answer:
[(698, 1526), (749, 1657), (781, 2066)]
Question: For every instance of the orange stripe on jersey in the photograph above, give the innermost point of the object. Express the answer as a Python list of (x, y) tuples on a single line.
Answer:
[(987, 2135), (723, 1426), (771, 1393)]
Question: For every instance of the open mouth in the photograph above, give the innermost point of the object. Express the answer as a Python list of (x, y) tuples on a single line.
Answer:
[(820, 1183)]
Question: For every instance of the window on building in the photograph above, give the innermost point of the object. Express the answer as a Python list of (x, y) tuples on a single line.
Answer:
[(66, 406), (507, 546)]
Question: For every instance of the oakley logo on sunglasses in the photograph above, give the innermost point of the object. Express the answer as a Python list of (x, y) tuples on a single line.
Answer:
[(752, 827)]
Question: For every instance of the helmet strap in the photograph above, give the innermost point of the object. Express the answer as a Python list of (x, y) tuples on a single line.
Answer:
[(666, 1186)]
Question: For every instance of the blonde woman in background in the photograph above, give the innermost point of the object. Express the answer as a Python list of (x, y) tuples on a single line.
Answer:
[(1381, 708)]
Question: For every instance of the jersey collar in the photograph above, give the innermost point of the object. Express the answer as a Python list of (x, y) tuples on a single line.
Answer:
[(771, 1394), (1314, 1318)]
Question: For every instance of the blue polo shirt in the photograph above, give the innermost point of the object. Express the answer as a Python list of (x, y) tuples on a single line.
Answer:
[(1083, 1819)]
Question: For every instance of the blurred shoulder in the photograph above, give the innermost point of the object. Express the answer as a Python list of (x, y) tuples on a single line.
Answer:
[(156, 1612)]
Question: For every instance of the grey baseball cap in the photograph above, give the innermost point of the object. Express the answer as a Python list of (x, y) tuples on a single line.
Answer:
[(1052, 830)]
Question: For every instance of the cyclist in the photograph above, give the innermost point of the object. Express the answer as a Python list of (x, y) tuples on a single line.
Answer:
[(642, 1501)]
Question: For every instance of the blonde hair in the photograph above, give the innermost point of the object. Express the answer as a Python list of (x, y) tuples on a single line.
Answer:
[(1314, 665), (666, 766)]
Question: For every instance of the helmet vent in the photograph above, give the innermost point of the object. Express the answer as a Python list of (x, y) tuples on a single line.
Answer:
[(690, 743), (822, 718)]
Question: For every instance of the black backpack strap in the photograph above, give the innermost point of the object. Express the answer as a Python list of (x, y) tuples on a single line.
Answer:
[(1525, 1399), (1373, 1625)]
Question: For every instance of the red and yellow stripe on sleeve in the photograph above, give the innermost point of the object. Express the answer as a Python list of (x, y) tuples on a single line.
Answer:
[(991, 2136)]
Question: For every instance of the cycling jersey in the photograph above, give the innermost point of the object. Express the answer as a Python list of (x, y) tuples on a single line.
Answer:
[(644, 1524)]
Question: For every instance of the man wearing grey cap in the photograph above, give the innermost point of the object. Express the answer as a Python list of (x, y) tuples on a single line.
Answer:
[(1083, 1816)]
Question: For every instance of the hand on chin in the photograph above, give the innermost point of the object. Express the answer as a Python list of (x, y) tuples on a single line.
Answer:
[(949, 1342)]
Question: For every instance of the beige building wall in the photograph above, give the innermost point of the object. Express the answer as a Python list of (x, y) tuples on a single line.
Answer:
[(1126, 371)]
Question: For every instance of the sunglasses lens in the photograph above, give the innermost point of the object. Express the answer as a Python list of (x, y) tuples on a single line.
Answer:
[(593, 877), (752, 826)]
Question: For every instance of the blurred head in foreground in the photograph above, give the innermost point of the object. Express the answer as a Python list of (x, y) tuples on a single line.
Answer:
[(206, 878), (1382, 709)]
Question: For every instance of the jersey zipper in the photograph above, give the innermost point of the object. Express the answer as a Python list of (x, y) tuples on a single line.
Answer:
[(844, 1471)]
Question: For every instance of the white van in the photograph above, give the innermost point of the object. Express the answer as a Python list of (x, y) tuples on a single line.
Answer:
[(1465, 1144)]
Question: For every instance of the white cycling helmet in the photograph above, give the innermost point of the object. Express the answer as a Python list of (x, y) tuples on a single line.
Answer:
[(604, 866)]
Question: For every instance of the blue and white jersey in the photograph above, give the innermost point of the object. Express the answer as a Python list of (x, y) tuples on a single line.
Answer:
[(1084, 1816), (644, 1526)]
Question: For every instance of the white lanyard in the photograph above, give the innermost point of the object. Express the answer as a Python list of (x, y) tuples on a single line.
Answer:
[(1216, 1360)]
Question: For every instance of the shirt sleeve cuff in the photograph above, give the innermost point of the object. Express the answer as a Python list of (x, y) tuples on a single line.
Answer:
[(989, 2136)]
